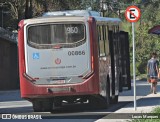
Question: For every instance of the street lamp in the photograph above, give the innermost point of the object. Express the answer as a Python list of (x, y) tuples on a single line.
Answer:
[(103, 6)]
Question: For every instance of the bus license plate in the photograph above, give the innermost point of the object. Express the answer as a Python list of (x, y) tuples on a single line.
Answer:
[(57, 81)]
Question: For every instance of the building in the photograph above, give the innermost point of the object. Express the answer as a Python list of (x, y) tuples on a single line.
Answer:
[(9, 78)]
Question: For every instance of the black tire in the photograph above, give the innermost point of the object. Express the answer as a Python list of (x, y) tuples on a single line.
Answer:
[(129, 87), (108, 98), (115, 99), (37, 106), (120, 83), (57, 102), (97, 102), (93, 101), (43, 105), (129, 82)]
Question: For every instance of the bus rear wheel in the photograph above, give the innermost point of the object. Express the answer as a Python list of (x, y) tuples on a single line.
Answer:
[(115, 99), (40, 105), (97, 102)]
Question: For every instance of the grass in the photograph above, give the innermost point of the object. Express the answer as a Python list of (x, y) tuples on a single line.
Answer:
[(157, 110)]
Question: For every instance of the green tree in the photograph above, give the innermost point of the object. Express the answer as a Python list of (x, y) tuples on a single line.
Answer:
[(146, 43), (150, 16)]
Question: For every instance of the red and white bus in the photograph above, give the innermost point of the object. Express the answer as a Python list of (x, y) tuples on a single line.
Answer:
[(72, 56)]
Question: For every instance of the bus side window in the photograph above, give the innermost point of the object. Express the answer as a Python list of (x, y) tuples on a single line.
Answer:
[(101, 41), (106, 41)]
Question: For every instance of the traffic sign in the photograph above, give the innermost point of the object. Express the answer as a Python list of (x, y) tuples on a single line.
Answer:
[(132, 13)]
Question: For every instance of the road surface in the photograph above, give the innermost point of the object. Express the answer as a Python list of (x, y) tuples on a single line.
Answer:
[(11, 103)]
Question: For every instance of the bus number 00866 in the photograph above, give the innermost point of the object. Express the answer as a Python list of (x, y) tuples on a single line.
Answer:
[(72, 53)]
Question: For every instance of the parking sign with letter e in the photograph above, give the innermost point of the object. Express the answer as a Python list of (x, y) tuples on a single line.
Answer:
[(132, 13)]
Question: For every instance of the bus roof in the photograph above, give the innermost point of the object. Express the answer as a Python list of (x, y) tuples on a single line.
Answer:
[(72, 13), (108, 19), (84, 13)]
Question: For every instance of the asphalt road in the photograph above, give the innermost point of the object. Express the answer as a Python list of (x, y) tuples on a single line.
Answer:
[(11, 103)]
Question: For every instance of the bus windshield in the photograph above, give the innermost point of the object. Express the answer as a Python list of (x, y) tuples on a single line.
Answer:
[(52, 34)]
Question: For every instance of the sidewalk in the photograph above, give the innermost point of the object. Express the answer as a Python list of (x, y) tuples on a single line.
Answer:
[(144, 105), (10, 95)]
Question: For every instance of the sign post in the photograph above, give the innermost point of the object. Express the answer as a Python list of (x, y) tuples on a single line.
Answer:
[(132, 15)]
